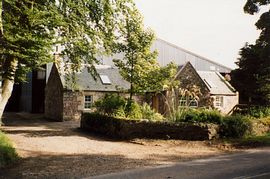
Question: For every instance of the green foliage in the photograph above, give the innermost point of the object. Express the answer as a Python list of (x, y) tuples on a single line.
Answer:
[(255, 111), (134, 111), (265, 121), (117, 106), (8, 154), (200, 115), (252, 77), (138, 59), (149, 113), (259, 112), (236, 126), (111, 105), (85, 29), (162, 78), (263, 140), (29, 30)]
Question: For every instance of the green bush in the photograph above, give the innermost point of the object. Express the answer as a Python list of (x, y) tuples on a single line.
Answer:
[(236, 126), (255, 111), (149, 113), (110, 104), (200, 115), (117, 106), (134, 111), (8, 154)]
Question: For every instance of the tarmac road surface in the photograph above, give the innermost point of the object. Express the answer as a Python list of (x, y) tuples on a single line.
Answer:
[(253, 163)]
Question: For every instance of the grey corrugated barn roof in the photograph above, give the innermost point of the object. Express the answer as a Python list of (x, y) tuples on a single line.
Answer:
[(86, 82), (216, 83)]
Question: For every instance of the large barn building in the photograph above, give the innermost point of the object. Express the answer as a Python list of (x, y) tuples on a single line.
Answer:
[(29, 97), (168, 52)]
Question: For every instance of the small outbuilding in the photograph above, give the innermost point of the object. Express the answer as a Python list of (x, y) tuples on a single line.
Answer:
[(215, 90), (65, 100)]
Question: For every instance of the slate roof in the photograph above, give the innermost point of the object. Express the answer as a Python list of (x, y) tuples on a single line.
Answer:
[(216, 83), (86, 82)]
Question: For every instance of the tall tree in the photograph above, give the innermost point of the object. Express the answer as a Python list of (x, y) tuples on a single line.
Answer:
[(30, 28), (139, 61), (252, 78)]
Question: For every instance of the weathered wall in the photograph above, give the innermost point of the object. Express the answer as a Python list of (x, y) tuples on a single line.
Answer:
[(128, 129), (189, 77), (54, 96), (71, 105), (228, 103)]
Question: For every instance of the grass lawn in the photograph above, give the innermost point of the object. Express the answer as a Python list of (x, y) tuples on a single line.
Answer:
[(8, 153)]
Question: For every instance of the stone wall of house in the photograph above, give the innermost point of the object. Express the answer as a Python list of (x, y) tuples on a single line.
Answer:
[(229, 102), (73, 103), (188, 77), (54, 96)]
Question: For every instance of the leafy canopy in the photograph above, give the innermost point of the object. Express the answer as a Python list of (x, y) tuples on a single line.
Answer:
[(84, 28), (252, 78)]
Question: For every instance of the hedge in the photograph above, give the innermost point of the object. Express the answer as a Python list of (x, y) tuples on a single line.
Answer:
[(129, 129)]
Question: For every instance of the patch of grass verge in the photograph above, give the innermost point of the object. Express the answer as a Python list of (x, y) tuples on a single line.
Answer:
[(8, 153), (256, 140), (251, 141)]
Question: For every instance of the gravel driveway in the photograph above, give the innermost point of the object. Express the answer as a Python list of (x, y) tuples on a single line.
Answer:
[(61, 150)]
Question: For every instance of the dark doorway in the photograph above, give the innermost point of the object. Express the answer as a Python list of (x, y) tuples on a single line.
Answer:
[(13, 104), (38, 91)]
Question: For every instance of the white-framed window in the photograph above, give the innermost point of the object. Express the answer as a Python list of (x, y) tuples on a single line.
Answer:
[(183, 101), (193, 103), (88, 101), (105, 79), (219, 101), (188, 101)]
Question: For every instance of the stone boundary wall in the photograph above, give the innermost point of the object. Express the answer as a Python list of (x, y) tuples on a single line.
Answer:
[(130, 129)]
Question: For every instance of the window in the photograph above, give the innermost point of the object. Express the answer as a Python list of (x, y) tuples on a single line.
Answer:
[(88, 100), (183, 101), (193, 103), (190, 102), (105, 79), (219, 101)]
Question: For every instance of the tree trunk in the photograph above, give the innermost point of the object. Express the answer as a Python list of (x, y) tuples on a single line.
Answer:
[(7, 87), (131, 92), (1, 21)]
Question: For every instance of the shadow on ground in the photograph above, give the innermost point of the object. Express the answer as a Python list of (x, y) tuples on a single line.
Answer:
[(58, 165), (70, 166), (30, 125)]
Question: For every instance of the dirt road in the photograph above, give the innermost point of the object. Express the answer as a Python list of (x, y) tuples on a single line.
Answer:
[(61, 150)]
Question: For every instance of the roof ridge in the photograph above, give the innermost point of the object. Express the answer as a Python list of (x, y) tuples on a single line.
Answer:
[(192, 53)]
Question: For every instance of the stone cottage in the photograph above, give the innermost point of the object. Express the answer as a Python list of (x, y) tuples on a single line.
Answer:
[(65, 100), (214, 91)]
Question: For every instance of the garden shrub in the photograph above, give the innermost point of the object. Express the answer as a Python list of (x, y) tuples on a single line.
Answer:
[(255, 111), (8, 154), (149, 113), (236, 126), (117, 106), (110, 104), (211, 116), (134, 111), (200, 115)]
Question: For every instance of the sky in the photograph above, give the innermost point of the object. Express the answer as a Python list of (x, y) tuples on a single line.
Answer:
[(215, 29)]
